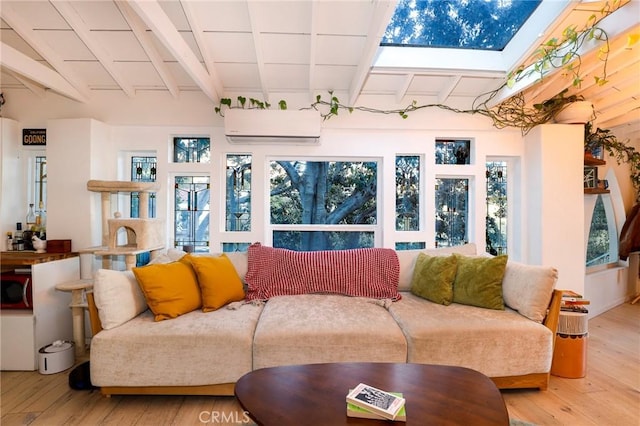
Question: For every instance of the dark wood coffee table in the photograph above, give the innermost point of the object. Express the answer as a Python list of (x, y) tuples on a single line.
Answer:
[(314, 394)]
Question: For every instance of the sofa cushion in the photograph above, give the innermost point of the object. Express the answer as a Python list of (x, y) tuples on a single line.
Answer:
[(197, 348), (170, 289), (167, 256), (118, 297), (528, 289), (315, 328), (407, 260), (496, 343), (218, 281), (479, 281), (433, 278), (368, 272)]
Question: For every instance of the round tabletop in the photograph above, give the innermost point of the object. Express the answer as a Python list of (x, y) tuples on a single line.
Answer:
[(315, 394)]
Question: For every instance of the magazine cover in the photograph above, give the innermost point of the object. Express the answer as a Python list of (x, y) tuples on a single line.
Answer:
[(375, 400), (355, 411)]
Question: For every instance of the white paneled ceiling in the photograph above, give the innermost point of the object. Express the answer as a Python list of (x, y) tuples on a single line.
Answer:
[(261, 47)]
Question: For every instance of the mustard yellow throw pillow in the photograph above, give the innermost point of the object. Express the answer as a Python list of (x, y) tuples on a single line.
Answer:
[(219, 281), (479, 281), (171, 289)]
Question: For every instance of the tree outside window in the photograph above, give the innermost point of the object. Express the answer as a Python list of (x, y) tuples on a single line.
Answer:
[(323, 194)]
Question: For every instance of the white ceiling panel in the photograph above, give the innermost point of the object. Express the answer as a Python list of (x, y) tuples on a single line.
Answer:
[(281, 16), (100, 15), (333, 77), (231, 47), (283, 77), (121, 45), (141, 74), (285, 48), (428, 84), (223, 15), (353, 18), (94, 75), (67, 44), (340, 50), (239, 76), (39, 14)]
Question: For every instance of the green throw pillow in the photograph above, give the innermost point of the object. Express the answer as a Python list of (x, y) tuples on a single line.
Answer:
[(433, 278), (479, 281)]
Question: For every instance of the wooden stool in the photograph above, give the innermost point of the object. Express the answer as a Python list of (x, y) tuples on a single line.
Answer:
[(78, 305)]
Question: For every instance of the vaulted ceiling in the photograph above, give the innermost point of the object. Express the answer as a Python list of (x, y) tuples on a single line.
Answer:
[(262, 47)]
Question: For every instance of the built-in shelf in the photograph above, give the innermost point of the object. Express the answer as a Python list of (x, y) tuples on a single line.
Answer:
[(592, 161), (596, 191)]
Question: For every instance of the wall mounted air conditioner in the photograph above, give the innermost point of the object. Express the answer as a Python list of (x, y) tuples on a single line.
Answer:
[(272, 126)]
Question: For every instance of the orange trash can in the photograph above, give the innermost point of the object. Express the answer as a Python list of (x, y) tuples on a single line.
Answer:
[(570, 356), (570, 352)]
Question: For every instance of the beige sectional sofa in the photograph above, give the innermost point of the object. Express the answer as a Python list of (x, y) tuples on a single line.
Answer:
[(207, 352)]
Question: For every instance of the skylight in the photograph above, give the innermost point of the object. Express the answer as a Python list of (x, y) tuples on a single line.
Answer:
[(459, 24)]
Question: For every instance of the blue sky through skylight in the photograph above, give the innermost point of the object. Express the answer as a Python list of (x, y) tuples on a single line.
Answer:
[(464, 24)]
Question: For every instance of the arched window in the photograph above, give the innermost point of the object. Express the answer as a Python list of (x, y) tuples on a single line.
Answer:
[(602, 245)]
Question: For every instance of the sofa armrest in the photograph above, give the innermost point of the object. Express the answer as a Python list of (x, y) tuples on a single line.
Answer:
[(94, 318), (553, 314)]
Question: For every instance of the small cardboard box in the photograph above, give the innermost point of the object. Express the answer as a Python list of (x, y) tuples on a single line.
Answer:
[(58, 246)]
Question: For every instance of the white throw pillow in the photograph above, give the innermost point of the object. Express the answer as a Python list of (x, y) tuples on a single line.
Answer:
[(528, 289), (118, 297)]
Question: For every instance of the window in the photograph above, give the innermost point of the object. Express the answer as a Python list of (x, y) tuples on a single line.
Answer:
[(452, 200), (602, 246), (487, 25), (191, 150), (496, 219), (411, 246), (191, 209), (40, 180), (143, 169), (238, 187), (323, 205), (453, 151), (407, 192)]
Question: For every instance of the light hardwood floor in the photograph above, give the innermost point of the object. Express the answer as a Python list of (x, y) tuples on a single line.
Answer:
[(608, 395)]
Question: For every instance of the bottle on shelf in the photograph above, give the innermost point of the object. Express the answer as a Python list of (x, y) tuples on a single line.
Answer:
[(9, 246), (18, 242), (41, 222), (31, 219)]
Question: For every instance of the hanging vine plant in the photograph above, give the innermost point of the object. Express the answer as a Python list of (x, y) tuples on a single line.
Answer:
[(557, 53)]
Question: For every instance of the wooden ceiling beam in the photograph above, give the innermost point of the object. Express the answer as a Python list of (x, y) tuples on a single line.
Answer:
[(382, 13), (198, 34), (81, 29), (139, 30), (21, 64), (158, 21), (80, 90)]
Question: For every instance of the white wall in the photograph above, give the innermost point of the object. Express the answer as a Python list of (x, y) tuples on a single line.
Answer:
[(555, 202), (12, 196)]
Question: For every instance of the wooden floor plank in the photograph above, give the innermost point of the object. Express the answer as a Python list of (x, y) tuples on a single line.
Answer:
[(608, 395)]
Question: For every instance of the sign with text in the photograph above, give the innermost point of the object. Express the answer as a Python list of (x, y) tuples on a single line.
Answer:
[(34, 137)]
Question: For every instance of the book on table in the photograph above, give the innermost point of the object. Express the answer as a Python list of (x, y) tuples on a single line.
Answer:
[(355, 411), (376, 401)]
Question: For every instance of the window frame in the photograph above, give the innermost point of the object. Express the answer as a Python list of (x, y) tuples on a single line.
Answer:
[(376, 228)]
